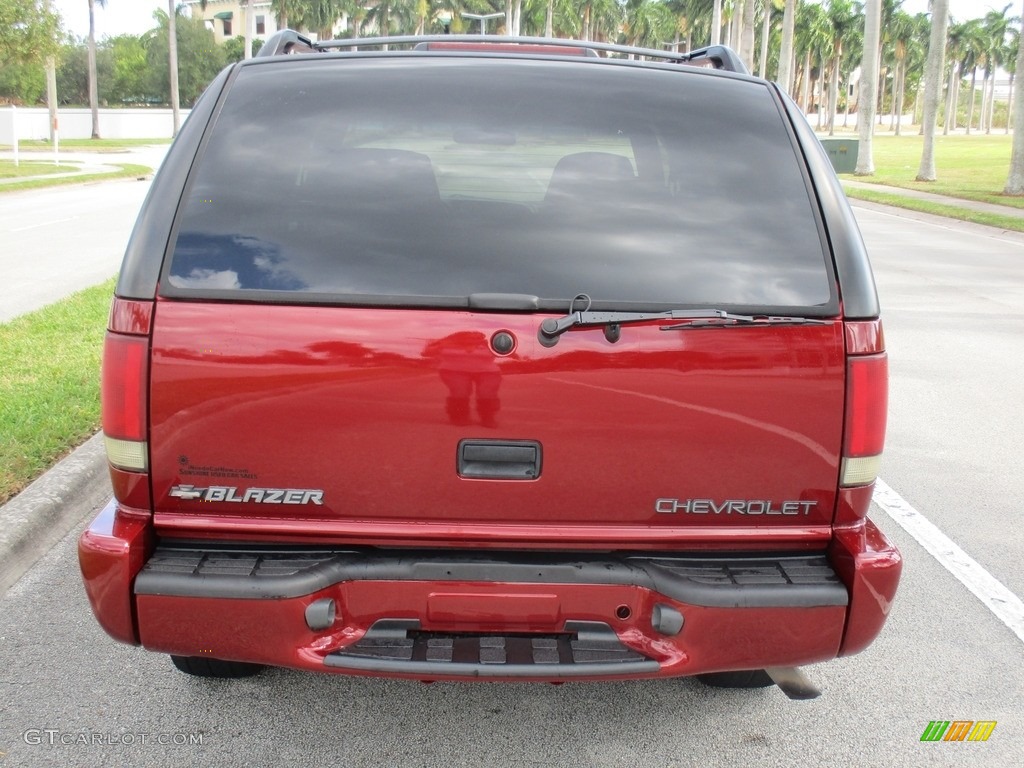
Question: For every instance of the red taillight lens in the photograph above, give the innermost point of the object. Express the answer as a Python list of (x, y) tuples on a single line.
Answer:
[(867, 401), (125, 384)]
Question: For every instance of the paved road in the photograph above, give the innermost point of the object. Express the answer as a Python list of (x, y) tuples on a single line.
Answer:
[(953, 303), (953, 306), (59, 240)]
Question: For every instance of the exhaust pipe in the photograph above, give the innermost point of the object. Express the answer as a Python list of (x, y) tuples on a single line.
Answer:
[(793, 682)]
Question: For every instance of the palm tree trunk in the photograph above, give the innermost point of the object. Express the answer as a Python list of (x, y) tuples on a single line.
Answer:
[(1009, 103), (899, 99), (983, 112), (805, 85), (786, 59), (892, 97), (881, 92), (517, 13), (950, 96), (734, 25), (970, 104), (991, 104), (747, 35), (766, 30), (1015, 180), (866, 90), (716, 23), (956, 97), (549, 20), (933, 87), (833, 102), (93, 99)]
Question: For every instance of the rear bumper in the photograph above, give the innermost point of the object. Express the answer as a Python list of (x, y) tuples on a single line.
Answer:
[(512, 615)]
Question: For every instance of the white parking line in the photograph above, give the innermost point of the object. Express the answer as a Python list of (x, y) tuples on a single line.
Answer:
[(993, 593), (44, 224)]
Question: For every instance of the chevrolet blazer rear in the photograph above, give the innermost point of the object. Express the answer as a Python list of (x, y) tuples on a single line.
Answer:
[(450, 364)]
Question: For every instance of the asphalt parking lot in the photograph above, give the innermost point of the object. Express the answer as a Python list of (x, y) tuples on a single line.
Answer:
[(953, 302)]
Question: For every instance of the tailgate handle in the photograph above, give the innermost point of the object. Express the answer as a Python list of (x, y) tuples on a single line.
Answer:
[(499, 459)]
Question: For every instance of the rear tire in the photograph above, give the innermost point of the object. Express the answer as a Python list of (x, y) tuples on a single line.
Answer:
[(202, 667), (752, 678)]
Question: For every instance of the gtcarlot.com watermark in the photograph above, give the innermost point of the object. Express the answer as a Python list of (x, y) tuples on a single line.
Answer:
[(55, 737)]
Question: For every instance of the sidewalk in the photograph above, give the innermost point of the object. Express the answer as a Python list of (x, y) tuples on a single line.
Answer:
[(75, 168), (87, 163), (955, 202)]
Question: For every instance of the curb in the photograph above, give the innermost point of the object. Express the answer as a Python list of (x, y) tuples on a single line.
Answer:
[(982, 230), (42, 514)]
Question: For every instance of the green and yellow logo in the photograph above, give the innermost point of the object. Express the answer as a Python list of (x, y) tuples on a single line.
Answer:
[(958, 730)]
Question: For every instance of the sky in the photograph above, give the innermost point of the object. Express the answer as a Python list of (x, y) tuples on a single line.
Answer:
[(119, 17), (136, 16)]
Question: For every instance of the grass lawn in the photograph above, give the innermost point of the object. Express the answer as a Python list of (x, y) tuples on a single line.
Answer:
[(8, 170), (49, 384), (128, 171), (86, 145), (1012, 223), (971, 167)]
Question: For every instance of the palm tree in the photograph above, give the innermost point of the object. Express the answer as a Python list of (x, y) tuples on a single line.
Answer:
[(811, 33), (975, 56), (933, 87), (956, 45), (1015, 180), (843, 16), (786, 58), (868, 83), (93, 99), (996, 25), (747, 35), (902, 29), (287, 12), (647, 23), (766, 33), (1011, 66)]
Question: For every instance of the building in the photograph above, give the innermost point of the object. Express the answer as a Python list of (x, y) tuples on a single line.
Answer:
[(227, 18)]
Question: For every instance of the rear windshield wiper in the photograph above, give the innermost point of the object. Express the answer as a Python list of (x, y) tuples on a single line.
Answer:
[(551, 328)]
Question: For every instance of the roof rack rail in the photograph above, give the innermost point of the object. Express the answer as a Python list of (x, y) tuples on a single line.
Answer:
[(287, 41), (714, 57), (717, 57)]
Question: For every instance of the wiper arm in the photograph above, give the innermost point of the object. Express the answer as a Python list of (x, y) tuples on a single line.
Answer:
[(551, 328)]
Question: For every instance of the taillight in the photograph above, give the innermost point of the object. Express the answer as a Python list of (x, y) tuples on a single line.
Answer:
[(867, 398), (125, 385)]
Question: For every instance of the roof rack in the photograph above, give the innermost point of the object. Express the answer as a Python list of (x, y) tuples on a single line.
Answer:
[(714, 57)]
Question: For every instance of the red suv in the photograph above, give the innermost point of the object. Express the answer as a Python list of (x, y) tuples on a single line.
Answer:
[(502, 361)]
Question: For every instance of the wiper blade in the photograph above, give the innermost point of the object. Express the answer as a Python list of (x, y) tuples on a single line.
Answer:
[(551, 328), (718, 318)]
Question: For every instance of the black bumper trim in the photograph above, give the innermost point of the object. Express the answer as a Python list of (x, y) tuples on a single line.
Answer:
[(733, 581), (585, 649)]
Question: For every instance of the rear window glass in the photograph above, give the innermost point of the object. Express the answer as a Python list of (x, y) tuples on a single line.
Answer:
[(427, 180)]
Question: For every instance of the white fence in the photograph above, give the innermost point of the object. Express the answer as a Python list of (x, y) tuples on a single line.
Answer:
[(33, 123)]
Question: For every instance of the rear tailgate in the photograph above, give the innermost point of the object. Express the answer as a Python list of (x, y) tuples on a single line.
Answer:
[(662, 438), (356, 230)]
